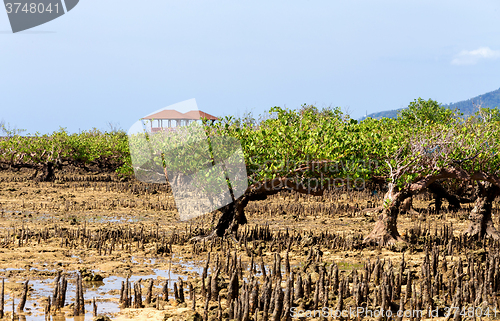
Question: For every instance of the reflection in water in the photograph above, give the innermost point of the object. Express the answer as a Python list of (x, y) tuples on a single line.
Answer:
[(107, 303), (61, 317)]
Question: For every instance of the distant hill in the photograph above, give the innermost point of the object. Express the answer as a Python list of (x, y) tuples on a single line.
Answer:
[(383, 114), (491, 100)]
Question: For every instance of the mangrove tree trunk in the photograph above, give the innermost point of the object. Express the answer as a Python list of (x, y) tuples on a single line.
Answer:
[(481, 223)]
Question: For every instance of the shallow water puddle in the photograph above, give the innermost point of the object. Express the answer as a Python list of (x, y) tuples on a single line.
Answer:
[(120, 219), (106, 293)]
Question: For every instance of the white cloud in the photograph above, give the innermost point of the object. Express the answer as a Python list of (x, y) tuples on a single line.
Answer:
[(471, 57)]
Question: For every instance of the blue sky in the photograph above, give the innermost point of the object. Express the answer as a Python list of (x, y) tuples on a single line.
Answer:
[(116, 61)]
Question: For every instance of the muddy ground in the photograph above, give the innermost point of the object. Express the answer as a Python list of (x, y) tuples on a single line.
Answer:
[(37, 219)]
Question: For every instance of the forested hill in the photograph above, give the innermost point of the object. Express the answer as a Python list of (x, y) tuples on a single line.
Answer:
[(467, 107)]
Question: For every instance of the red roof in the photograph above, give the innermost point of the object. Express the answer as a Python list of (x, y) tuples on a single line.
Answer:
[(166, 114), (198, 114), (174, 114)]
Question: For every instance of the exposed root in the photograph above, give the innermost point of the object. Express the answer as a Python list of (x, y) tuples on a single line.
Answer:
[(383, 236), (227, 232), (385, 231), (373, 210), (481, 224), (201, 238), (474, 230), (407, 207), (212, 236)]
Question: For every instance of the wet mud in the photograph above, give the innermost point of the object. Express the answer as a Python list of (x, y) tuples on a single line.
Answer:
[(119, 235)]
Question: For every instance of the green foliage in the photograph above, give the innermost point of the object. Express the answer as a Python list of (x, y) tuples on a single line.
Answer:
[(304, 144), (301, 145), (426, 112), (104, 149), (488, 114)]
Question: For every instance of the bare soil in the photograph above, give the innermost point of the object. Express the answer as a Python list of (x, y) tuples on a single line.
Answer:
[(78, 202)]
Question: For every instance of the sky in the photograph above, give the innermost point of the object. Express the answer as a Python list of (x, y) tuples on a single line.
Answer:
[(113, 62)]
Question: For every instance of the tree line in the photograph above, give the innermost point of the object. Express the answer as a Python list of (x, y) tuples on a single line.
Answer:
[(310, 150)]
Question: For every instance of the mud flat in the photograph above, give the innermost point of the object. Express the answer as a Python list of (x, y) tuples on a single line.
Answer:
[(297, 251)]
